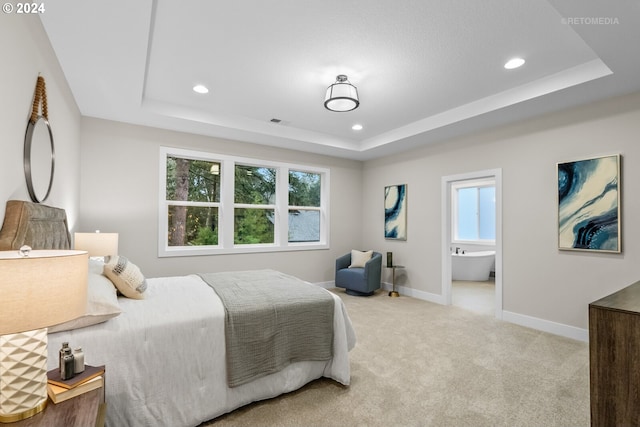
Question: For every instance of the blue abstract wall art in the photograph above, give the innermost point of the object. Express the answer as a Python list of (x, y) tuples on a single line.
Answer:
[(395, 212), (589, 205)]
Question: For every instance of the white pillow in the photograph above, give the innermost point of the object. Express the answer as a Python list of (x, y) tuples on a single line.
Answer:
[(359, 259), (102, 304), (96, 266), (126, 276)]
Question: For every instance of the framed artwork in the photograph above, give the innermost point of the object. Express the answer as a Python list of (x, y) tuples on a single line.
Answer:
[(395, 212), (589, 205)]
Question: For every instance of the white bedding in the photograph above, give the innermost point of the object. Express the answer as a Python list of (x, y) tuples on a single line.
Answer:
[(165, 357)]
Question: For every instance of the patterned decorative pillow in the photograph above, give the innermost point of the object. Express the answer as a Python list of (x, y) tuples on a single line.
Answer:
[(126, 276), (359, 259)]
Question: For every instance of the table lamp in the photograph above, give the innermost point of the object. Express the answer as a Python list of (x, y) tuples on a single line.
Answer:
[(97, 244), (39, 288)]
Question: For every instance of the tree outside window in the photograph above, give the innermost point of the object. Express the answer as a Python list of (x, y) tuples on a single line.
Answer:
[(197, 182), (254, 196), (211, 203), (304, 206)]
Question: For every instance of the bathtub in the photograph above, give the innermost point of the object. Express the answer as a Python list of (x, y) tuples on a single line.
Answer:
[(473, 266)]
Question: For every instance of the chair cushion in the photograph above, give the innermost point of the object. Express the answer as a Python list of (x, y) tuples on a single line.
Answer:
[(359, 258), (351, 278)]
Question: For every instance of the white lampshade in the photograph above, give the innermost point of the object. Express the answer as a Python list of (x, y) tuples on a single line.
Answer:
[(341, 96), (97, 244), (42, 289)]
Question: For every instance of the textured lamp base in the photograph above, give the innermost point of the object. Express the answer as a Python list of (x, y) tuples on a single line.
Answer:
[(23, 375)]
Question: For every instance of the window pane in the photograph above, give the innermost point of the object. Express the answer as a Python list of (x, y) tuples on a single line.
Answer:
[(255, 185), (468, 213), (488, 213), (304, 226), (192, 226), (193, 180), (304, 189), (253, 226)]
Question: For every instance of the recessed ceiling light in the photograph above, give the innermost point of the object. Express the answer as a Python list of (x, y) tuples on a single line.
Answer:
[(514, 63), (356, 127), (200, 89)]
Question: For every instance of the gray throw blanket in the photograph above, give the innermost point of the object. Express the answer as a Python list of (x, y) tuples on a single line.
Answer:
[(272, 320)]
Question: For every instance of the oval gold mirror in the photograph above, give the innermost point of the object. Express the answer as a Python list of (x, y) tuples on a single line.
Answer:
[(39, 159)]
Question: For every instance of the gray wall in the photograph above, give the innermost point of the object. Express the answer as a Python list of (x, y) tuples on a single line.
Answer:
[(118, 189), (25, 53), (539, 280), (119, 193)]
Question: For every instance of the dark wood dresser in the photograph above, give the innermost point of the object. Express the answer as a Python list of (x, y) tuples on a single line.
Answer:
[(614, 358)]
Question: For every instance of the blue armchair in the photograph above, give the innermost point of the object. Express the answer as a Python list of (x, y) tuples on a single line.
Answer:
[(359, 281)]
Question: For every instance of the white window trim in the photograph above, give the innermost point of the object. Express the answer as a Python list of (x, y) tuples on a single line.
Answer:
[(226, 206), (454, 211)]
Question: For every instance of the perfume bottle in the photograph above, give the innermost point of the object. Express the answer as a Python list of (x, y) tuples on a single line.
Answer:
[(67, 365), (65, 345), (78, 360)]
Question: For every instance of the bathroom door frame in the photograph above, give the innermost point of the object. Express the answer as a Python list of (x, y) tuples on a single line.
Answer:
[(447, 182)]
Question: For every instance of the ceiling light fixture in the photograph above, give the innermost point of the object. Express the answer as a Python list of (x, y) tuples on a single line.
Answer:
[(200, 89), (341, 96), (356, 127), (514, 63)]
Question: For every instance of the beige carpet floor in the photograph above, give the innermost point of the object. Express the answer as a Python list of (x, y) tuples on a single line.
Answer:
[(478, 297), (422, 364)]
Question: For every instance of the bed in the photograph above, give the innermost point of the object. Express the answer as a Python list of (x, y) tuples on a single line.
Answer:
[(165, 355)]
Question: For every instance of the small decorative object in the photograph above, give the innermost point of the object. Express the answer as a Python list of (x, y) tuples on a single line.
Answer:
[(389, 259), (395, 212), (589, 205), (67, 365), (62, 352), (78, 360), (25, 250)]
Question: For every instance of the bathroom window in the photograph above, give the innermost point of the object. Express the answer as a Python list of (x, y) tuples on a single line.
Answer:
[(474, 212)]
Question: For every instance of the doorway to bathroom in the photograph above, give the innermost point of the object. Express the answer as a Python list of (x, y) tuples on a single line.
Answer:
[(476, 186)]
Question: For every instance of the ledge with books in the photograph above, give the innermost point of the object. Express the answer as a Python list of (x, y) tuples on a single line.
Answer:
[(60, 390)]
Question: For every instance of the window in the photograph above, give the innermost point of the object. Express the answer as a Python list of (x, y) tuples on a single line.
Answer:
[(213, 204), (193, 199), (474, 212), (304, 206), (254, 202)]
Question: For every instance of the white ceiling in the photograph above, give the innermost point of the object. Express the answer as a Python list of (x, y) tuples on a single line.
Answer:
[(426, 70)]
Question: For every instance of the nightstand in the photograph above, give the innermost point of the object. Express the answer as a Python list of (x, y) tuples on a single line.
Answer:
[(393, 292), (88, 409)]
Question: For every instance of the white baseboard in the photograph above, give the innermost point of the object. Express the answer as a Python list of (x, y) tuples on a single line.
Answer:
[(508, 316), (546, 326), (414, 293)]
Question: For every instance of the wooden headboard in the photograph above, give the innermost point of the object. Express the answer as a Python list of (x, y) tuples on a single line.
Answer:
[(36, 225)]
